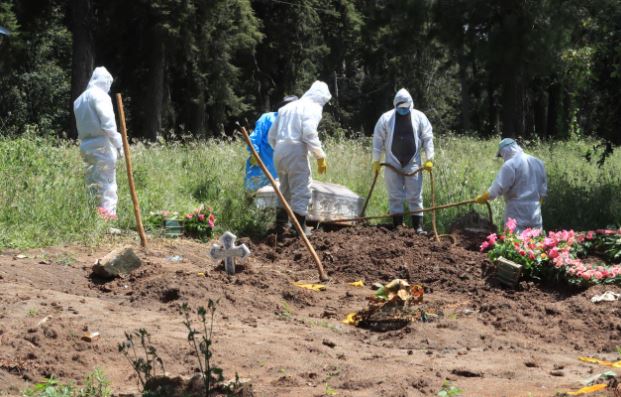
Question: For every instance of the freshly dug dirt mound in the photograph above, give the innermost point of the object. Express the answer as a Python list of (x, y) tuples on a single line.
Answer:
[(291, 341), (553, 313)]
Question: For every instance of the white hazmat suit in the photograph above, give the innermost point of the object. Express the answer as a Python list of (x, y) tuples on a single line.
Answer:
[(293, 135), (100, 142), (523, 184), (403, 188)]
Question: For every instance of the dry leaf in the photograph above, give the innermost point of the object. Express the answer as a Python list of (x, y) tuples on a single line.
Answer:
[(352, 319)]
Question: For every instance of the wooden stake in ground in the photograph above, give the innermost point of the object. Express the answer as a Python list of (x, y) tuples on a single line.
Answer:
[(298, 227), (130, 173)]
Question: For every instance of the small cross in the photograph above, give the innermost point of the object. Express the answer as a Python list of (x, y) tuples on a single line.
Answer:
[(229, 251)]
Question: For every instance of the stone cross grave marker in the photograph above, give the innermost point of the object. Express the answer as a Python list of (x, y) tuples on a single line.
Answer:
[(228, 251)]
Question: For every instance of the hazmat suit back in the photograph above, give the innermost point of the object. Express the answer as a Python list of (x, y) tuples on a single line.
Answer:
[(523, 184), (401, 188), (293, 135), (99, 139)]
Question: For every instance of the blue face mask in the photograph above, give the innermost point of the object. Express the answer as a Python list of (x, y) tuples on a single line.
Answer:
[(403, 111)]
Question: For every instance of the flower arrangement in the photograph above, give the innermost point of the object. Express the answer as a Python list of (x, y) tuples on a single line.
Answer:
[(562, 254), (200, 223)]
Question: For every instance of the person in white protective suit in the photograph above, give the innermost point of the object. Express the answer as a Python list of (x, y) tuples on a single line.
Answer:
[(293, 135), (100, 142), (400, 133), (523, 184)]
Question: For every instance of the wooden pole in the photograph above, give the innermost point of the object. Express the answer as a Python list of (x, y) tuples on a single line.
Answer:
[(438, 207), (130, 173), (298, 227)]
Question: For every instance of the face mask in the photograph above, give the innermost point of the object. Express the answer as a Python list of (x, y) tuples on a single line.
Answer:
[(403, 111)]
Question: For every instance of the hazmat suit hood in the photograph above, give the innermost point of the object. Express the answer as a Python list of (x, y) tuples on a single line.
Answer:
[(318, 93), (510, 151), (403, 96), (101, 79)]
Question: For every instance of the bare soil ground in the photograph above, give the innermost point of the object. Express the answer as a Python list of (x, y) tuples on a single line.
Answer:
[(488, 341)]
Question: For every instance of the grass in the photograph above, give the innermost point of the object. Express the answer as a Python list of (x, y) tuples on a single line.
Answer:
[(43, 199)]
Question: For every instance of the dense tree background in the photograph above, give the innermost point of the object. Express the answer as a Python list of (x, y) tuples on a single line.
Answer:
[(529, 68)]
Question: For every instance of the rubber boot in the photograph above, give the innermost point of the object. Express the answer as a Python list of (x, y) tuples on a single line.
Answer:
[(302, 221), (281, 223), (417, 224), (397, 220)]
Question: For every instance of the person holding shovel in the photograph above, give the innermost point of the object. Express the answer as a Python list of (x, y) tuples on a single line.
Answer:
[(523, 184), (293, 136), (400, 133), (255, 179), (100, 142)]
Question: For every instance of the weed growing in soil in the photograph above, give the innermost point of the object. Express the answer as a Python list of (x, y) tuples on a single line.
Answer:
[(50, 388), (449, 390), (201, 342), (96, 385), (145, 367)]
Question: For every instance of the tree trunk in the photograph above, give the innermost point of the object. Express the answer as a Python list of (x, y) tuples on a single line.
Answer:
[(82, 63), (154, 92), (554, 97), (539, 110), (466, 105)]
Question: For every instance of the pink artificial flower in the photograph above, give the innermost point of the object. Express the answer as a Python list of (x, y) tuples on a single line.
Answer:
[(531, 255), (522, 252), (598, 275), (492, 238), (511, 224), (590, 235), (586, 276), (201, 217), (188, 216), (548, 242), (212, 218), (553, 253), (484, 246)]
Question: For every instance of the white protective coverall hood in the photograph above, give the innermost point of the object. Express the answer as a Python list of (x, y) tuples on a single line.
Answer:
[(293, 135), (522, 182), (401, 188), (99, 139)]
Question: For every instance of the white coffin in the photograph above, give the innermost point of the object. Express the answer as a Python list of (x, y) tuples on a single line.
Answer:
[(328, 201)]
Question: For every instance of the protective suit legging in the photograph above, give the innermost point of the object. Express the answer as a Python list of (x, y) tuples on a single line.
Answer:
[(294, 174), (101, 176), (404, 188)]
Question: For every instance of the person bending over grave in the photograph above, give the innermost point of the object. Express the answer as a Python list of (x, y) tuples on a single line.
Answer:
[(400, 133), (522, 181), (100, 142), (293, 135), (255, 178)]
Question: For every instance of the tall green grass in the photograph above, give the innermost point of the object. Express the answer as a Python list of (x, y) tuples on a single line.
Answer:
[(43, 198)]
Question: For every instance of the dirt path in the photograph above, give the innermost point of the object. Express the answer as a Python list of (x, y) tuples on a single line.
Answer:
[(290, 341)]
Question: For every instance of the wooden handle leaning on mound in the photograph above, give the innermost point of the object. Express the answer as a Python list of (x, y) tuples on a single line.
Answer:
[(298, 227)]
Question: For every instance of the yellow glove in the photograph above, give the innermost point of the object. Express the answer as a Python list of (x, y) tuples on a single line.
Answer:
[(482, 199), (253, 160), (428, 165), (322, 165), (376, 167)]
